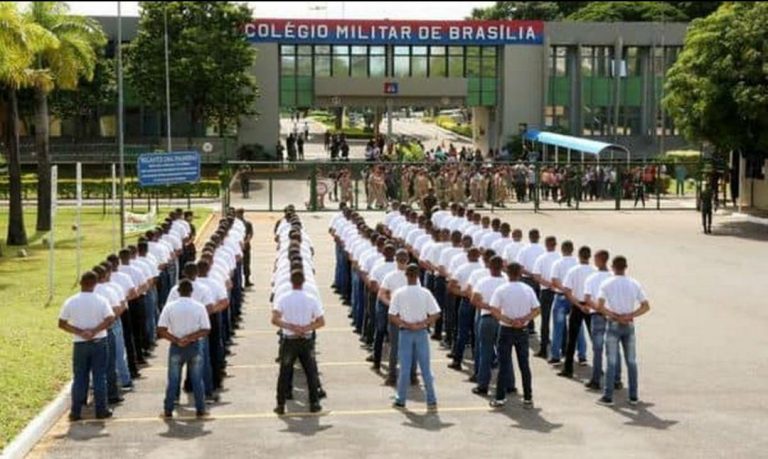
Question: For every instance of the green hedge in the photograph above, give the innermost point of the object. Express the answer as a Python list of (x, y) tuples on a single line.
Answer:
[(97, 189), (450, 124)]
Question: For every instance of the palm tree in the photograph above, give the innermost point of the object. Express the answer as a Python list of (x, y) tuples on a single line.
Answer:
[(74, 56), (19, 41)]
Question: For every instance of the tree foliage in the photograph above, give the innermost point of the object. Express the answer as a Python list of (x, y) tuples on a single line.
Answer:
[(628, 12), (209, 60), (597, 11), (717, 90)]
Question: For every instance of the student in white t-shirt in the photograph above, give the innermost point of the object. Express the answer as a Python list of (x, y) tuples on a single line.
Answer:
[(514, 305), (414, 310), (391, 283), (184, 322), (621, 299), (87, 316)]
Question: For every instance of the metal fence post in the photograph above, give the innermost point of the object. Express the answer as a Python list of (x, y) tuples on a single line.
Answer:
[(658, 185), (313, 189), (270, 193), (537, 188)]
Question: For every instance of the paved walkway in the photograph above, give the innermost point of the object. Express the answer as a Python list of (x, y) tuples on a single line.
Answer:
[(702, 354)]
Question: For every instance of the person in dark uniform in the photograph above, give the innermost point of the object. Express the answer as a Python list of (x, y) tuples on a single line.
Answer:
[(300, 145), (706, 208), (246, 246), (245, 184)]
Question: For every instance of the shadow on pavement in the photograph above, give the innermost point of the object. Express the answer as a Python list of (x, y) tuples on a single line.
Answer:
[(529, 419), (85, 431), (742, 230), (428, 421), (640, 416), (186, 429), (304, 424)]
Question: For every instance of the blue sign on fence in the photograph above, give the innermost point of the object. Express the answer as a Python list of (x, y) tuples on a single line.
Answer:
[(169, 168)]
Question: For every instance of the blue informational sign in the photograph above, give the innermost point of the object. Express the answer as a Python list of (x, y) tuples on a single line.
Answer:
[(169, 168)]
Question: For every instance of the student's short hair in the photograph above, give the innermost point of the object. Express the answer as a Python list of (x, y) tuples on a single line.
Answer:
[(99, 271), (551, 240), (203, 266), (124, 253), (496, 262), (534, 234), (297, 276), (619, 262), (402, 255), (567, 246), (514, 270), (185, 287), (89, 277), (190, 269), (584, 251), (603, 255)]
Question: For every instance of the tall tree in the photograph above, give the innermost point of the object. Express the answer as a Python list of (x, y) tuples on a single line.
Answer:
[(628, 12), (717, 90), (209, 60), (20, 40), (544, 11), (696, 9), (72, 57)]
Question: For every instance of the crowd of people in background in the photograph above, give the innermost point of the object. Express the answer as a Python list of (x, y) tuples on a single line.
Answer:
[(473, 282), (163, 287)]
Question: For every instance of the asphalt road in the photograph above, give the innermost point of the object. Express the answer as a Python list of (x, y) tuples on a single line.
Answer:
[(703, 359)]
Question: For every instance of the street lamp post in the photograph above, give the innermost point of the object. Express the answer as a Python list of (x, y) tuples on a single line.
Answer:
[(120, 146)]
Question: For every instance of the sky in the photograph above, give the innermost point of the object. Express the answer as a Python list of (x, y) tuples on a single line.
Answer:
[(317, 10)]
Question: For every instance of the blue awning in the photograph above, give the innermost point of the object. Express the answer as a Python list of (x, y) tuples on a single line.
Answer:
[(573, 143)]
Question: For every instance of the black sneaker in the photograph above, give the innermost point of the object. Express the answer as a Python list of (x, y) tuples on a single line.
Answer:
[(592, 385), (480, 390), (398, 405), (554, 361), (512, 390), (116, 400), (315, 408), (455, 366), (105, 415), (618, 385), (376, 367), (369, 358), (495, 403), (472, 378), (320, 393), (565, 374), (202, 414), (582, 362), (527, 403), (432, 407), (74, 417), (390, 382), (605, 401), (633, 401), (279, 410)]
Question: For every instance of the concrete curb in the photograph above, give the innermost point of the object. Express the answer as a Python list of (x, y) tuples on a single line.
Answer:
[(39, 426), (750, 218), (23, 443)]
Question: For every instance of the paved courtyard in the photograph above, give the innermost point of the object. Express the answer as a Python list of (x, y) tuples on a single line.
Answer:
[(703, 358)]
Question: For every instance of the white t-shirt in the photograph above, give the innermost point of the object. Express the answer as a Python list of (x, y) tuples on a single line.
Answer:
[(515, 300), (593, 283), (200, 293), (487, 241), (465, 271), (217, 288), (109, 293), (527, 255), (184, 316), (393, 281), (136, 275), (621, 294), (413, 303), (561, 267), (512, 250), (543, 265), (123, 280), (86, 310), (447, 255), (486, 288), (381, 270), (298, 308), (576, 279), (286, 288)]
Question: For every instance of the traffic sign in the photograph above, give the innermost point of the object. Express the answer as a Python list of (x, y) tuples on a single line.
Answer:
[(169, 168)]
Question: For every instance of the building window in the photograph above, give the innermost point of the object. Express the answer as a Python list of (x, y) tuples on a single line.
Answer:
[(377, 61), (360, 61), (322, 61), (456, 61), (437, 62), (419, 61), (340, 61), (557, 109), (402, 61)]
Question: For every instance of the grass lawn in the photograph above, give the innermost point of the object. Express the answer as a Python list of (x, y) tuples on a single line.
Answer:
[(34, 354)]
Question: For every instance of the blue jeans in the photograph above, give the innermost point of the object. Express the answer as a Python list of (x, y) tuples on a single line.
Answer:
[(624, 334), (509, 338), (151, 305), (465, 325), (89, 360), (599, 325), (488, 331), (121, 361), (561, 309), (190, 355), (382, 319), (358, 301), (112, 390), (414, 345)]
